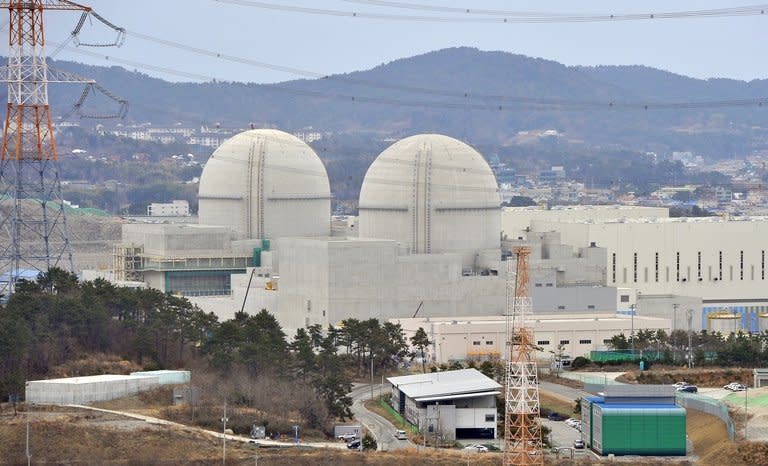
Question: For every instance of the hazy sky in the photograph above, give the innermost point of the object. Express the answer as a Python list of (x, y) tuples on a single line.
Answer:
[(732, 47)]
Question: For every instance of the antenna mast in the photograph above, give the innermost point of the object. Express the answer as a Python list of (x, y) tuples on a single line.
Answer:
[(522, 424), (32, 214)]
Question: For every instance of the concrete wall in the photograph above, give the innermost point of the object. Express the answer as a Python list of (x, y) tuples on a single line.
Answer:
[(85, 390), (699, 244), (326, 281), (515, 220), (166, 377), (177, 239)]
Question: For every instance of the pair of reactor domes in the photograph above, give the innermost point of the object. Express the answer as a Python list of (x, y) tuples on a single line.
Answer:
[(429, 192)]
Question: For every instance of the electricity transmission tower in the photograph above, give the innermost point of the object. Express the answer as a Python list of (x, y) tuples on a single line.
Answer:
[(32, 217), (522, 425)]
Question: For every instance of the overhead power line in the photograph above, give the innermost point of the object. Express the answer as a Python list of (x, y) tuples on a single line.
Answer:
[(460, 101), (498, 16), (463, 95)]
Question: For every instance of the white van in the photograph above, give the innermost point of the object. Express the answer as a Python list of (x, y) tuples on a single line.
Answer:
[(401, 435)]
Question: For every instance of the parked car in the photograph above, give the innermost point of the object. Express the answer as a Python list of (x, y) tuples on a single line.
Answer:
[(735, 387), (572, 422), (476, 447), (554, 416), (348, 437), (679, 384), (688, 389), (578, 444), (354, 445), (401, 435)]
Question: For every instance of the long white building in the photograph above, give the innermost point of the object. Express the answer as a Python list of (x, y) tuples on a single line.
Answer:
[(722, 262)]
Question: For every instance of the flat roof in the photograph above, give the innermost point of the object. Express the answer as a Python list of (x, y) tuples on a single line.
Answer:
[(92, 379), (445, 384)]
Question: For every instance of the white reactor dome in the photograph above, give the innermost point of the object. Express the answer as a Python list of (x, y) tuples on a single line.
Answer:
[(434, 194), (265, 183)]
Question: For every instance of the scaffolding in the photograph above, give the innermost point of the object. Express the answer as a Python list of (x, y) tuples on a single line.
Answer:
[(127, 263)]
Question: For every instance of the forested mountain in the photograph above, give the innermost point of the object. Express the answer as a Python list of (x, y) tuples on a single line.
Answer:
[(478, 96)]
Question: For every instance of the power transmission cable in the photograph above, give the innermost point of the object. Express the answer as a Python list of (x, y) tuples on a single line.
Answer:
[(488, 98), (531, 104), (514, 18)]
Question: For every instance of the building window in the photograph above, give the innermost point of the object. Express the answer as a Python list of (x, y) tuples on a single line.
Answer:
[(475, 343), (634, 268), (590, 306), (538, 285), (565, 342), (730, 273), (698, 264), (741, 265), (607, 341), (720, 265), (542, 342), (490, 418), (762, 265), (624, 298), (549, 285), (561, 307), (613, 266), (677, 267), (656, 270), (585, 342), (488, 342)]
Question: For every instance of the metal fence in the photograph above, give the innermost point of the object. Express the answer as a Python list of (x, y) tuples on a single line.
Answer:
[(709, 406)]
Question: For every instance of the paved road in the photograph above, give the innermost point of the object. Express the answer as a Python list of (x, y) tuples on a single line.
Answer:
[(235, 438), (562, 390), (382, 430)]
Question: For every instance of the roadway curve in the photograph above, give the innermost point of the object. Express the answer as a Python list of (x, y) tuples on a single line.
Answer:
[(381, 429)]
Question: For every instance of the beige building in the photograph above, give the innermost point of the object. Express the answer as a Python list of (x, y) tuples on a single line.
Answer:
[(482, 337)]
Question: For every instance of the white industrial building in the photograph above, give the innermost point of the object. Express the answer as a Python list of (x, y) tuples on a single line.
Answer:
[(431, 236), (168, 209), (479, 338), (708, 265), (85, 390), (448, 405)]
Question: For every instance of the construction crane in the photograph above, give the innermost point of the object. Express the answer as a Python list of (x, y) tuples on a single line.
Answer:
[(522, 424), (33, 216)]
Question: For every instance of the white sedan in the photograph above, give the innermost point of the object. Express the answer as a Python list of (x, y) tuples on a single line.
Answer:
[(476, 447)]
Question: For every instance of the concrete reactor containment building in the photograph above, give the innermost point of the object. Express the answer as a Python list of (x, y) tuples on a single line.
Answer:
[(266, 183), (428, 242), (432, 194)]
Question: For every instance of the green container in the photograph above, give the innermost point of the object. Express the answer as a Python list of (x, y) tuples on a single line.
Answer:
[(256, 259), (641, 431)]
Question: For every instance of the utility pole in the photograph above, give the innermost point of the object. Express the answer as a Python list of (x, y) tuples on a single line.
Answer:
[(29, 455), (371, 373), (746, 417), (224, 436), (632, 332), (690, 347), (674, 327)]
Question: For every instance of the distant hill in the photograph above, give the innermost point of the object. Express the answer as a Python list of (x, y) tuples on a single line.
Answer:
[(444, 91)]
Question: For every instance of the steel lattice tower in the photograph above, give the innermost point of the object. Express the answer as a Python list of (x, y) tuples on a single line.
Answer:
[(522, 424), (32, 210)]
